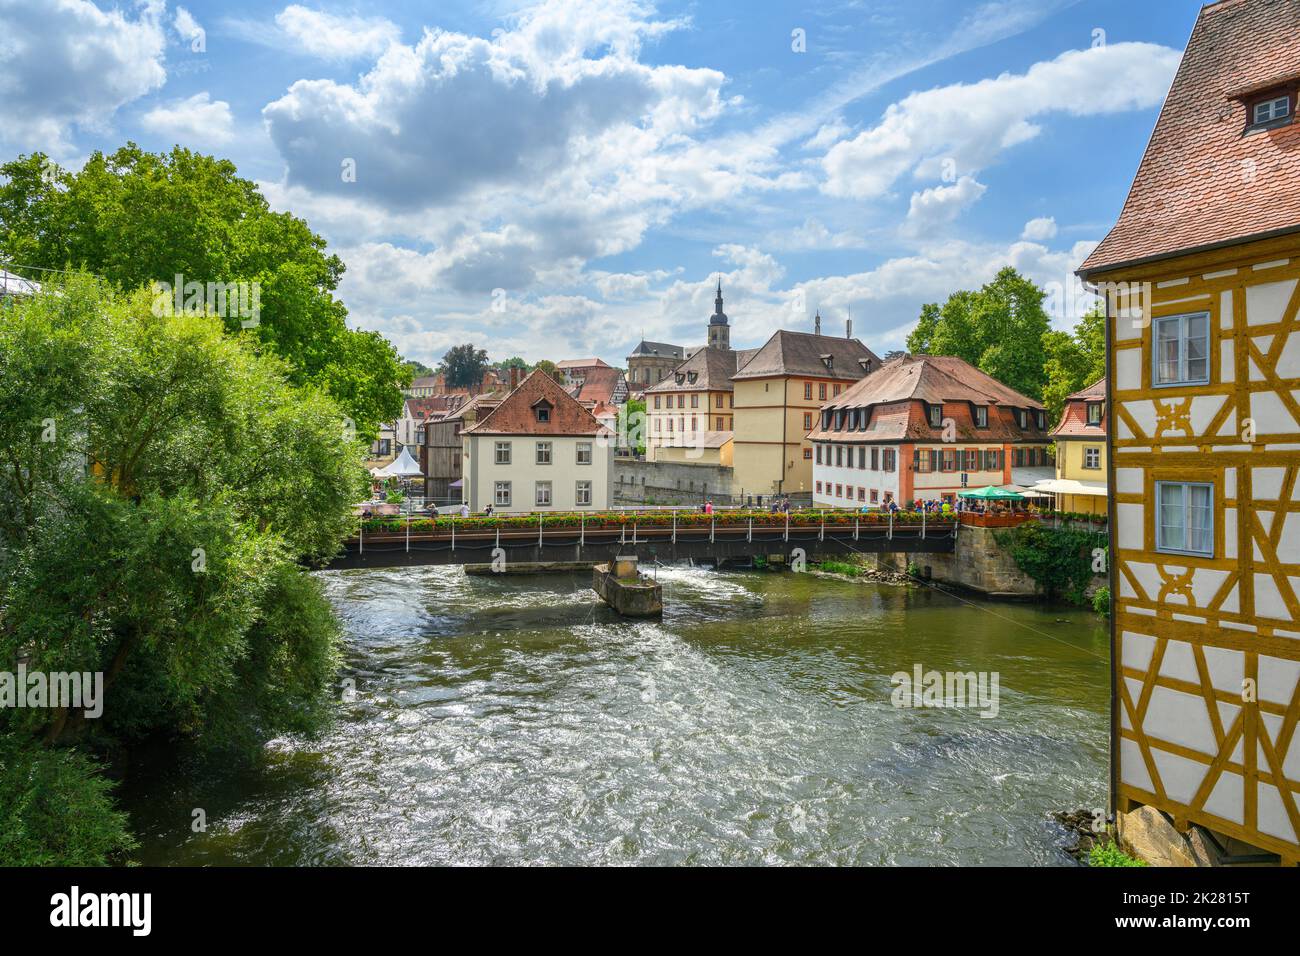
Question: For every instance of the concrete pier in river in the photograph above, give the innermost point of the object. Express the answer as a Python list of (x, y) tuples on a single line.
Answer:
[(623, 587)]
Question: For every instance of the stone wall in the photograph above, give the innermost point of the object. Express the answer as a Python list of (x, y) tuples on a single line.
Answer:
[(669, 483), (978, 563)]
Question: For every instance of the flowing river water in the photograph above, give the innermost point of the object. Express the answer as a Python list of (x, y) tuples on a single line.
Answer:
[(509, 719)]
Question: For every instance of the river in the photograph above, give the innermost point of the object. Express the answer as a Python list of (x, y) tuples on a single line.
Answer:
[(510, 720)]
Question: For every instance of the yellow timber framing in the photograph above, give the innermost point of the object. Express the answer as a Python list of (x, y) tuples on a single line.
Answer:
[(1173, 450)]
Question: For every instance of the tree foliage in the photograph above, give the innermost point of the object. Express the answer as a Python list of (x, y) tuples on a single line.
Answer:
[(1060, 562), (160, 484), (463, 366), (999, 329), (136, 218), (1074, 359)]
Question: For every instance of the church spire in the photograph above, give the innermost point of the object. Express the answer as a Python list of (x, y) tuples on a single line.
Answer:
[(719, 332)]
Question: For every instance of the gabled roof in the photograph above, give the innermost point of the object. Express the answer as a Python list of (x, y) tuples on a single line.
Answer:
[(800, 353), (431, 406), (516, 416), (601, 384), (1074, 417), (712, 368), (658, 349), (934, 379), (479, 404), (1204, 181)]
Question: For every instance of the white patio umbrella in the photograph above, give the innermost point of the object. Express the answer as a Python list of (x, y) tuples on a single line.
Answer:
[(403, 466)]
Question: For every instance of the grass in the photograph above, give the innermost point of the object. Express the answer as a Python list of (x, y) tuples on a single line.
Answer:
[(1109, 854)]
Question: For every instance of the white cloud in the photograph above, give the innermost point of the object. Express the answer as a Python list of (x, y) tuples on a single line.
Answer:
[(938, 205), (66, 63), (187, 28), (1040, 229), (196, 121), (334, 37), (962, 128)]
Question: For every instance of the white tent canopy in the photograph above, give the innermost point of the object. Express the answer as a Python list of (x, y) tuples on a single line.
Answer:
[(1069, 486), (404, 466)]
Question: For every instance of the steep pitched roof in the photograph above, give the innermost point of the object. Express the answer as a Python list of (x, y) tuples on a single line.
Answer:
[(1074, 417), (800, 353), (601, 384), (516, 414), (1203, 181), (431, 406), (712, 370)]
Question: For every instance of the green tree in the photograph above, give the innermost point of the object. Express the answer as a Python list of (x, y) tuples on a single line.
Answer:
[(998, 329), (136, 218), (1074, 359), (632, 424), (161, 484), (549, 368), (464, 366)]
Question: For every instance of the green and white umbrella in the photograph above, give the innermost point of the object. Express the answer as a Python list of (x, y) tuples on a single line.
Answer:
[(991, 493)]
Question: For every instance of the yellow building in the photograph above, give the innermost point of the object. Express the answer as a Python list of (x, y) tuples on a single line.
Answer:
[(1202, 279), (694, 401), (778, 394), (1080, 437)]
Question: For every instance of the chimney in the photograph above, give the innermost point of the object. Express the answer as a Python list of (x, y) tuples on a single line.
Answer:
[(817, 323), (514, 377), (848, 328)]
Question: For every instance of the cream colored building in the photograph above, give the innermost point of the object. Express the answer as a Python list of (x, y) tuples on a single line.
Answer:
[(779, 392), (539, 450)]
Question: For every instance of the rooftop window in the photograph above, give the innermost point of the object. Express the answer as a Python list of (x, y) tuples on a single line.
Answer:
[(1266, 111)]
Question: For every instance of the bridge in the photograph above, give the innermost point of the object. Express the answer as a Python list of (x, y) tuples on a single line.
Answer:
[(726, 541)]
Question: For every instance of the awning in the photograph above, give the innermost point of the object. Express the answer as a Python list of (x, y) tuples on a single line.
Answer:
[(1024, 492), (1069, 486), (458, 483), (989, 493)]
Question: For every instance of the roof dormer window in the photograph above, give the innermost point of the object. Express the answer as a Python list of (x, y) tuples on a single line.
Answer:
[(692, 376), (680, 378), (981, 416), (1274, 108), (829, 361), (543, 411), (936, 415), (1094, 413)]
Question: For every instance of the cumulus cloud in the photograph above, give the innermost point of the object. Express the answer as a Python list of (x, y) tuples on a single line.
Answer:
[(333, 37), (1040, 229), (66, 63), (187, 28), (963, 128), (197, 121), (938, 205)]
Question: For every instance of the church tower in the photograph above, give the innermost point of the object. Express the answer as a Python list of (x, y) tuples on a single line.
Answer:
[(719, 330)]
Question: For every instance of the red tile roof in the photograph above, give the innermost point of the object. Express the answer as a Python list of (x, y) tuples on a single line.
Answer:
[(516, 415), (1074, 418), (601, 384), (1203, 181), (895, 397)]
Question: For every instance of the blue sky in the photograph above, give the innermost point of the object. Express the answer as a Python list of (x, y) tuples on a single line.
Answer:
[(557, 180)]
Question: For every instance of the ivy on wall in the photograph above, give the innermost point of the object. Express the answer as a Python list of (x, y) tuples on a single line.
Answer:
[(1060, 562)]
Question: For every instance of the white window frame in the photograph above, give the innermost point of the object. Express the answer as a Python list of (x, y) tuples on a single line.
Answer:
[(498, 448), (538, 488), (578, 453), (1182, 320), (1257, 120), (579, 489), (1185, 485), (981, 416), (497, 499), (1093, 451), (543, 448)]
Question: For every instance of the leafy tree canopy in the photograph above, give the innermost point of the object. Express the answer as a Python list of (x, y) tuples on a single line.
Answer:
[(135, 218), (999, 329), (464, 366), (1074, 359)]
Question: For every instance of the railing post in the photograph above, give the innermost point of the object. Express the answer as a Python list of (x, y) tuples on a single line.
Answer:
[(408, 532), (453, 530), (891, 526), (498, 536), (582, 531), (922, 524), (749, 535), (539, 533), (361, 536), (634, 533), (674, 526), (787, 526), (821, 535), (713, 521), (855, 527)]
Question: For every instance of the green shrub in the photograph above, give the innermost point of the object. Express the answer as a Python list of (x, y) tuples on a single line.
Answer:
[(56, 808), (838, 567), (1109, 854), (1101, 601), (1059, 561)]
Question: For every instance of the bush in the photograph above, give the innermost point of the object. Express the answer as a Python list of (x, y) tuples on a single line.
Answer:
[(56, 808), (838, 567), (1058, 561), (1109, 854), (1101, 601)]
